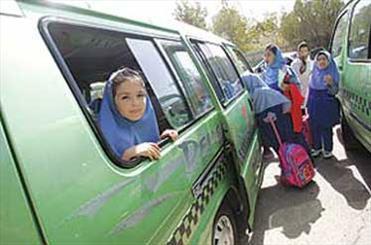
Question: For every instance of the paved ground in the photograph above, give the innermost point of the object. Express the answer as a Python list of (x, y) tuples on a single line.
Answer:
[(335, 209)]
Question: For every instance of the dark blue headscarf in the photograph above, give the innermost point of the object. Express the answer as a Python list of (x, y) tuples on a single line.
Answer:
[(262, 95), (270, 74), (317, 80), (122, 133)]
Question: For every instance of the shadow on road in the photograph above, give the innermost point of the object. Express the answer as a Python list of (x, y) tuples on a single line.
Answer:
[(292, 209), (342, 179), (341, 175), (360, 158), (295, 211)]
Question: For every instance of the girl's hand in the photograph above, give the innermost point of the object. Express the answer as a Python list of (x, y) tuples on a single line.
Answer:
[(270, 117), (328, 80), (148, 149), (173, 134)]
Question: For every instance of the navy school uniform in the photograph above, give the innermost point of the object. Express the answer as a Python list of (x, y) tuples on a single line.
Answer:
[(284, 127), (267, 100), (283, 124), (324, 111), (323, 107)]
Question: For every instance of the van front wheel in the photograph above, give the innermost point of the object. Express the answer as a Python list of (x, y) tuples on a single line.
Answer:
[(225, 229)]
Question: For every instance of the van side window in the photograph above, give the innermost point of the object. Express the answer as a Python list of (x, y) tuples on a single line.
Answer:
[(360, 31), (239, 60), (209, 73), (171, 99), (88, 55), (189, 75), (339, 35), (222, 69)]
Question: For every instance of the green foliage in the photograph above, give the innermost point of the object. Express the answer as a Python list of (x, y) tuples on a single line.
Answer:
[(229, 24), (192, 14), (266, 31), (310, 20)]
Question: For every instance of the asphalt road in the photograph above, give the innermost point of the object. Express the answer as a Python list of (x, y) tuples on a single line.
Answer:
[(335, 209)]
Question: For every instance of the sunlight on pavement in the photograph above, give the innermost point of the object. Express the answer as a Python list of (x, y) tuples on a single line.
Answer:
[(334, 209)]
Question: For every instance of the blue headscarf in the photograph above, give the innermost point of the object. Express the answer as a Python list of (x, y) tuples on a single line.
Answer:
[(122, 133), (270, 74), (317, 79), (262, 95)]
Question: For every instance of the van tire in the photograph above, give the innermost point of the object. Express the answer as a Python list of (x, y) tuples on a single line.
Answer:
[(349, 140), (225, 219)]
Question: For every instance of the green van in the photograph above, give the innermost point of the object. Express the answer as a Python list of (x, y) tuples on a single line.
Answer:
[(351, 48), (59, 180)]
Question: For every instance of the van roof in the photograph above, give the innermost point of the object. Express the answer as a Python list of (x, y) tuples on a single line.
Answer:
[(173, 26)]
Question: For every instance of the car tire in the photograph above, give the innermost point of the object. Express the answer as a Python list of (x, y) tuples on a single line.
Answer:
[(225, 230)]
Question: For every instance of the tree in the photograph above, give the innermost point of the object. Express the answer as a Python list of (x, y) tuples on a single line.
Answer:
[(310, 20), (192, 14), (229, 24), (267, 31)]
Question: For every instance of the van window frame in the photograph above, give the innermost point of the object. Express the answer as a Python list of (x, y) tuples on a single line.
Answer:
[(337, 21), (205, 63), (158, 42), (350, 22), (235, 49), (216, 87), (173, 76), (43, 25)]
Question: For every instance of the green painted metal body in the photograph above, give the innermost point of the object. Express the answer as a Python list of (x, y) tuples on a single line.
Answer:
[(242, 131), (77, 193), (355, 86), (16, 223)]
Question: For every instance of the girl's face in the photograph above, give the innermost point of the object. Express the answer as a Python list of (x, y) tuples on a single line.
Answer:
[(269, 57), (130, 100), (322, 61), (303, 53)]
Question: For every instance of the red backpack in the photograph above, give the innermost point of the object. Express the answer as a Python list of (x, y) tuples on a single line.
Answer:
[(306, 130), (296, 166)]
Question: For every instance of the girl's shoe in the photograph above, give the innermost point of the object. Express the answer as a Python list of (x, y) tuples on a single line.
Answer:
[(315, 153), (327, 154)]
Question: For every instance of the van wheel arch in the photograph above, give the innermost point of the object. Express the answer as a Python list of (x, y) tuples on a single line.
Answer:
[(349, 140), (234, 205)]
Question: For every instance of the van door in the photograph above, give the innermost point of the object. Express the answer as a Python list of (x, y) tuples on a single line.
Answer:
[(339, 42), (81, 192), (237, 111), (357, 71), (350, 47)]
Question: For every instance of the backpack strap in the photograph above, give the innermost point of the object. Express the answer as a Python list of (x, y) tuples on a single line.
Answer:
[(276, 132)]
